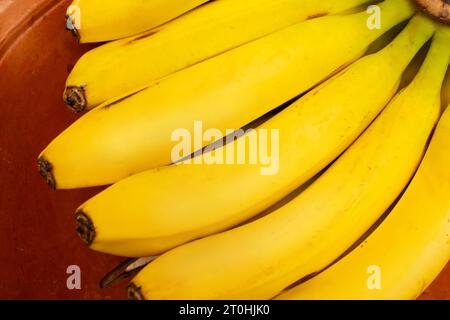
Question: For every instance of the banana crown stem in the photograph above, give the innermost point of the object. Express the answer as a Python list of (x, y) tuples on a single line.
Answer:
[(437, 9)]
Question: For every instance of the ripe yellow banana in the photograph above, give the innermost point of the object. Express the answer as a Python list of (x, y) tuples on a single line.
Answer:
[(99, 20), (126, 65), (259, 260), (139, 217), (133, 134), (410, 247)]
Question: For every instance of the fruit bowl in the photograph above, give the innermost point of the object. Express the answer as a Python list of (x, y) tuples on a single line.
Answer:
[(38, 241)]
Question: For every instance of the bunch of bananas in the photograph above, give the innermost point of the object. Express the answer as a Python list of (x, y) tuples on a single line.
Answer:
[(359, 206)]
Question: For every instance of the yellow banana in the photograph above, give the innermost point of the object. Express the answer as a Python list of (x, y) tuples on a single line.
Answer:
[(123, 66), (139, 217), (133, 134), (407, 252), (260, 259), (415, 234), (99, 20)]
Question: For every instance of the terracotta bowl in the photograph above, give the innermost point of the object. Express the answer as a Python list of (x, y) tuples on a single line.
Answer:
[(37, 238)]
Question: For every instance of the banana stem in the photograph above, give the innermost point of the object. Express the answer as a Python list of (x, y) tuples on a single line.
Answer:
[(438, 9)]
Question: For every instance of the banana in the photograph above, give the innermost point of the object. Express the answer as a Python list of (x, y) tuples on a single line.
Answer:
[(133, 134), (98, 21), (138, 216), (260, 259), (410, 247), (201, 34)]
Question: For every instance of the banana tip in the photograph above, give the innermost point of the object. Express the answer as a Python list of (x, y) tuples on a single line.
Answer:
[(75, 98), (46, 171), (85, 227), (134, 292)]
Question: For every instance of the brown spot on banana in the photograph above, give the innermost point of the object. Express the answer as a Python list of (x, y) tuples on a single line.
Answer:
[(438, 9)]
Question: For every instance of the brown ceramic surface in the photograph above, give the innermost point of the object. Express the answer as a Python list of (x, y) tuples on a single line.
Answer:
[(37, 237)]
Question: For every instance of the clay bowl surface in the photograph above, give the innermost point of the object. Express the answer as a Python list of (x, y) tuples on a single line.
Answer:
[(37, 237)]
